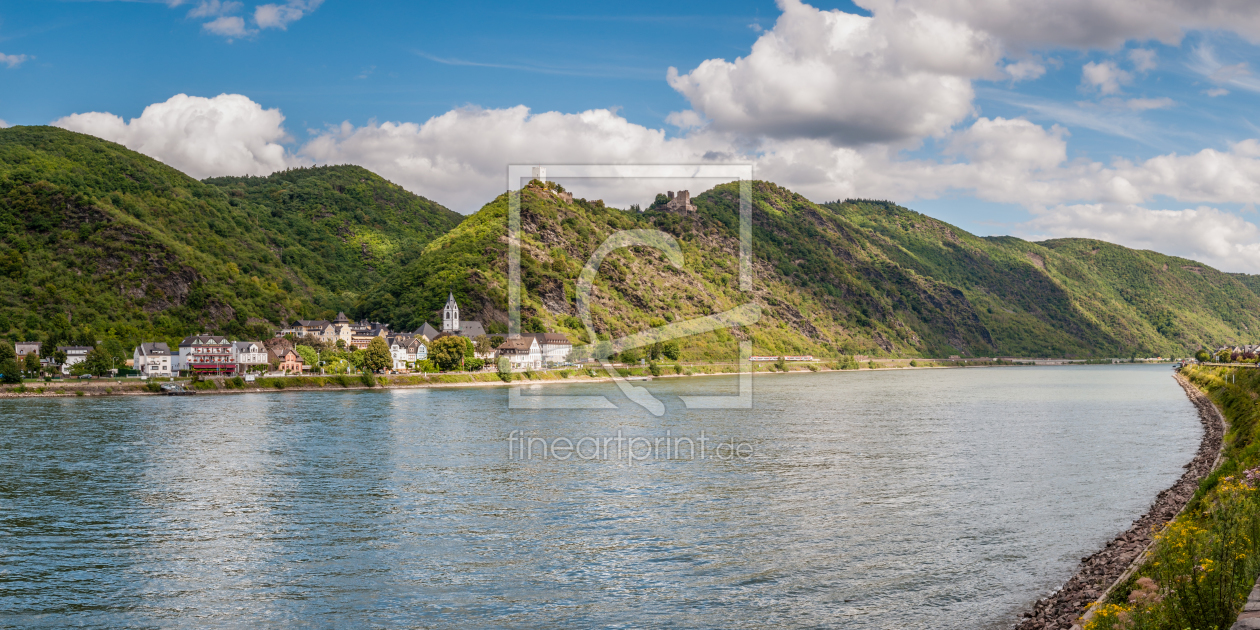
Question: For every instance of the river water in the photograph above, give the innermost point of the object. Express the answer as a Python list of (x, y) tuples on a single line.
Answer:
[(914, 499)]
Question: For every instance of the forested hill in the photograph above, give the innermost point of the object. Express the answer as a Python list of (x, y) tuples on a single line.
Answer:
[(97, 240), (844, 277)]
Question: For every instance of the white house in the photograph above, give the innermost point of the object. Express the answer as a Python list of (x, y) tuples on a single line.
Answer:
[(249, 354), (522, 353), (152, 359), (74, 354), (405, 348), (399, 355), (555, 347)]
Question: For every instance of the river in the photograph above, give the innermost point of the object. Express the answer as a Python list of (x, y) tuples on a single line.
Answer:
[(889, 499)]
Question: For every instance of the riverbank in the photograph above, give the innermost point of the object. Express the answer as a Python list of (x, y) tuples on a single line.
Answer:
[(113, 387), (1111, 565)]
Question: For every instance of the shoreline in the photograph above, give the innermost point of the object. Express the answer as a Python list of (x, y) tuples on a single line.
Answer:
[(97, 389), (1110, 566)]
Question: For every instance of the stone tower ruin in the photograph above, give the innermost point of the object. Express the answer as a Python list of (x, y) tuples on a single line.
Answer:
[(680, 202)]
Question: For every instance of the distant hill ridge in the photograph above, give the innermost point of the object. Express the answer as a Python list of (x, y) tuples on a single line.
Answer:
[(97, 240)]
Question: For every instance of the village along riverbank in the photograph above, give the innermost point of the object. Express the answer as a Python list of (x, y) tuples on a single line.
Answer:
[(592, 374)]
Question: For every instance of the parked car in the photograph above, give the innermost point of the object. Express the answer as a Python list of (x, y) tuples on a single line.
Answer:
[(87, 376)]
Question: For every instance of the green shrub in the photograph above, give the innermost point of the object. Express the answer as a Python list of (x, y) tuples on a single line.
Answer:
[(79, 392), (503, 368), (565, 373), (152, 388), (654, 369), (678, 369), (812, 367), (914, 363), (368, 379)]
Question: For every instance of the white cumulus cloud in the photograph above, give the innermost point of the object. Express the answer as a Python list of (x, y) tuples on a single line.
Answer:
[(3, 124), (1034, 24), (459, 157), (1106, 77), (281, 15), (850, 79), (1025, 70), (12, 61), (204, 137), (227, 26)]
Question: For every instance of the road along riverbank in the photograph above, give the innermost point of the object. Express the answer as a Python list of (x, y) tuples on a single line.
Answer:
[(1100, 572)]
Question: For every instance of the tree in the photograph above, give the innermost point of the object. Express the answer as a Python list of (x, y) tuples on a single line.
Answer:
[(308, 357), (447, 352), (9, 370), (533, 325), (32, 363), (377, 355), (1202, 355), (115, 349), (482, 344), (670, 350), (97, 362), (630, 355)]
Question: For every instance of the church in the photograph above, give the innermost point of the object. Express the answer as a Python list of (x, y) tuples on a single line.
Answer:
[(452, 325)]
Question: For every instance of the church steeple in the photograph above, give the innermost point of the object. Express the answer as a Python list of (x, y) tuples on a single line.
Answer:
[(450, 315)]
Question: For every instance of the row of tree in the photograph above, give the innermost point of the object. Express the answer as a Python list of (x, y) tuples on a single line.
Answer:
[(445, 354)]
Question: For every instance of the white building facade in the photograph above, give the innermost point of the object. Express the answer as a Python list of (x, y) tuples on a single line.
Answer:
[(152, 359), (74, 354), (249, 355), (522, 353)]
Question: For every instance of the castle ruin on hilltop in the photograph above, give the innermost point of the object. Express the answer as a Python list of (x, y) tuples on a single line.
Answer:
[(680, 202)]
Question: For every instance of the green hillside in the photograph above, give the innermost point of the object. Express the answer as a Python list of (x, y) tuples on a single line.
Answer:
[(97, 240), (845, 277), (343, 228)]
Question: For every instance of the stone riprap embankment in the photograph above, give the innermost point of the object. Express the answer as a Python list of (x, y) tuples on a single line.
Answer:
[(1063, 609)]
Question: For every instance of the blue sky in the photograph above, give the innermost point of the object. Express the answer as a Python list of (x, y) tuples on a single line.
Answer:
[(1129, 121)]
